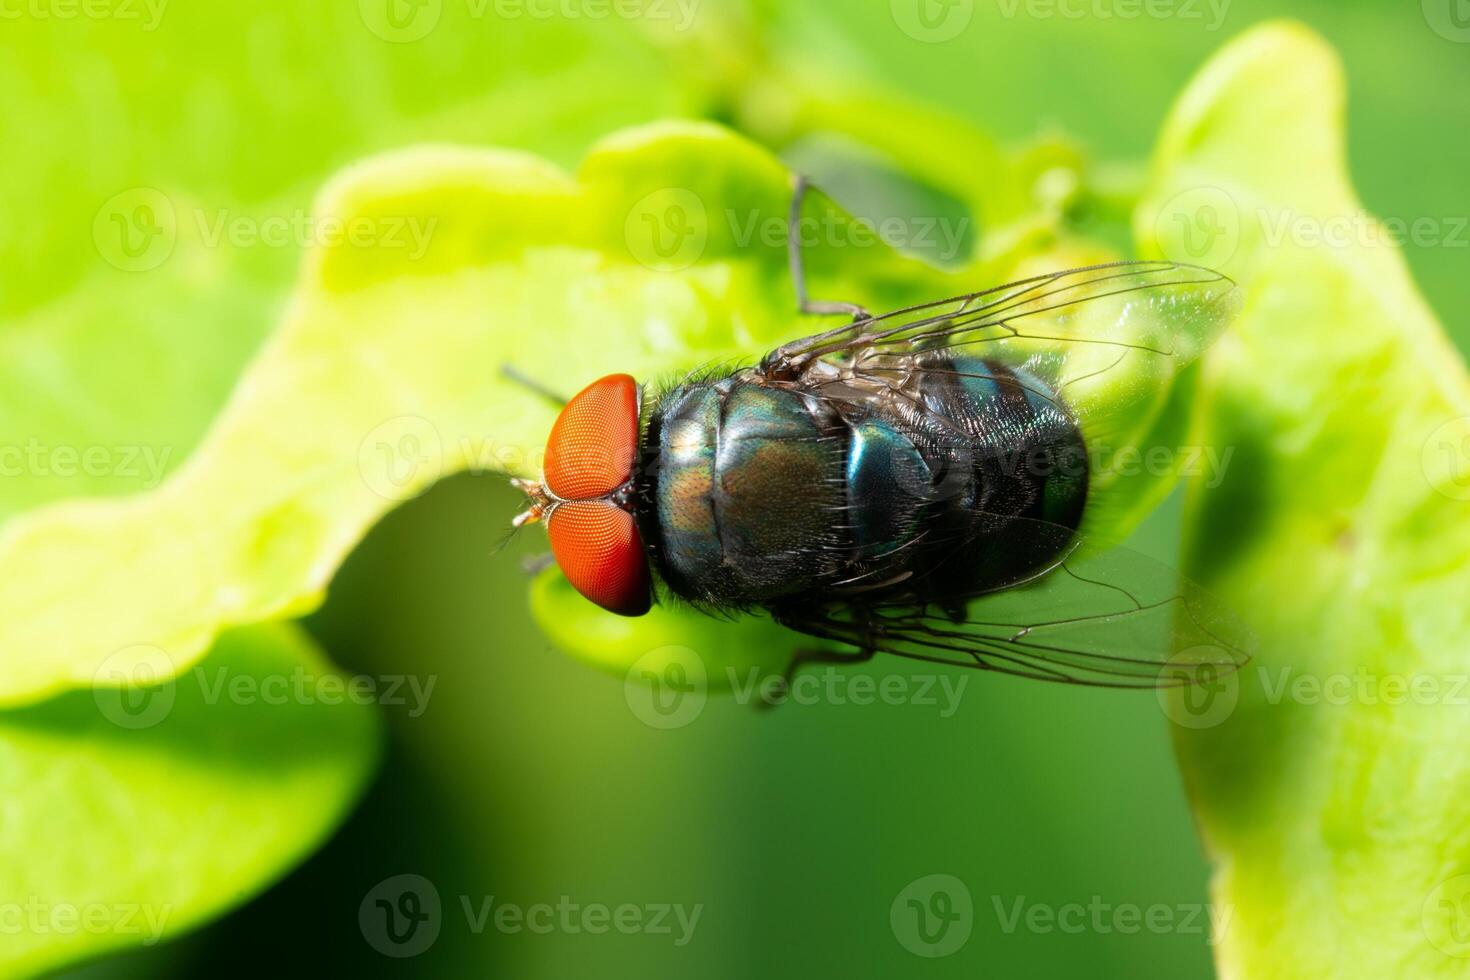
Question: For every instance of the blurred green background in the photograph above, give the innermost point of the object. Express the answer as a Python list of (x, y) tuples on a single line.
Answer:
[(528, 777)]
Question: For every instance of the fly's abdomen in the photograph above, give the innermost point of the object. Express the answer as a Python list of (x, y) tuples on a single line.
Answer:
[(1010, 474), (890, 490)]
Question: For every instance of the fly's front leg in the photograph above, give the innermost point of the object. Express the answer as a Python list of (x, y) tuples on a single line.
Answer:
[(809, 306)]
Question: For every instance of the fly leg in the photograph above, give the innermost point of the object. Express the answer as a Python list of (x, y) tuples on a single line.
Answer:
[(786, 363), (809, 306), (811, 655)]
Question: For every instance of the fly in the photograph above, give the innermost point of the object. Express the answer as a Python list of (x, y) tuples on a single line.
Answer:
[(917, 482)]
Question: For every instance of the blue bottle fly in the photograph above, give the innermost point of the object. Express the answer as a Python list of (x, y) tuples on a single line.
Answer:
[(880, 484)]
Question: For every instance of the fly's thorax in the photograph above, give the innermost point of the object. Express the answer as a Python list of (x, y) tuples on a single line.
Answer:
[(747, 485)]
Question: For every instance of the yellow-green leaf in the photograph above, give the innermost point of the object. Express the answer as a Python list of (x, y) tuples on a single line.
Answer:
[(133, 813), (665, 252), (1330, 778)]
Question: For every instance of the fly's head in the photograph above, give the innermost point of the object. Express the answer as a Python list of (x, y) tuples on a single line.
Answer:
[(585, 496)]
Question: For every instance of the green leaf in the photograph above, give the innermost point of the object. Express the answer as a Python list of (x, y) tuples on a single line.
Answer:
[(105, 355), (713, 654), (385, 376), (117, 347), (1330, 777), (665, 252), (136, 812)]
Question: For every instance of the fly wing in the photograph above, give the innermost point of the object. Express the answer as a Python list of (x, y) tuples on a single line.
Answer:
[(1106, 344), (1111, 619), (1139, 323), (1106, 341)]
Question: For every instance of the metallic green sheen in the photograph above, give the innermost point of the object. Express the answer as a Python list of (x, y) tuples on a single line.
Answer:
[(888, 486), (685, 472), (780, 491), (750, 491)]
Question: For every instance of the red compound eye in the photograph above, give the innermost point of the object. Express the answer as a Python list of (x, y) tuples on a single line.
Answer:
[(592, 446), (600, 551)]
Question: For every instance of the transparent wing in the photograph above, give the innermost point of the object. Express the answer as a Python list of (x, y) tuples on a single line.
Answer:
[(1138, 323), (1115, 619)]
